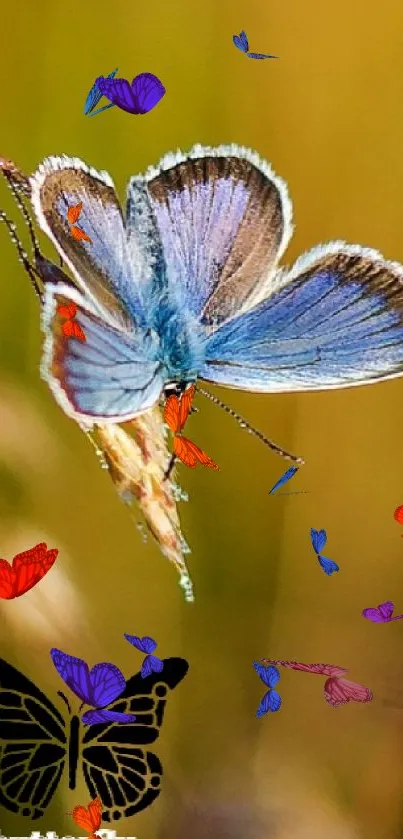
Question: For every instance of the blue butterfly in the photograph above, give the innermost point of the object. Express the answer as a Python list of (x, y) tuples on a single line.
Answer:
[(187, 286), (319, 539), (95, 96), (241, 43), (151, 663), (269, 676), (288, 474)]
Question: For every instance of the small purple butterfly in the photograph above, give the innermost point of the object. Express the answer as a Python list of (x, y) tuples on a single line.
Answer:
[(383, 614), (241, 43), (97, 687), (144, 93), (151, 663)]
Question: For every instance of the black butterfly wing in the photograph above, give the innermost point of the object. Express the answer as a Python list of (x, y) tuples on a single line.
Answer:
[(33, 745), (116, 766)]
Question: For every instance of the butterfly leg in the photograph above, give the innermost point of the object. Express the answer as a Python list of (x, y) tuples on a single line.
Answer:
[(170, 466)]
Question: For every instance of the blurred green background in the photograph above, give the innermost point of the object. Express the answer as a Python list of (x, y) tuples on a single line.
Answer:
[(329, 116)]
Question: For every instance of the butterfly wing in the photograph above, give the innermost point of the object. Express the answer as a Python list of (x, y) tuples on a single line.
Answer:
[(270, 702), (268, 674), (205, 205), (100, 716), (386, 609), (79, 235), (146, 644), (172, 413), (107, 683), (33, 745), (89, 819), (340, 691), (190, 454), (318, 539), (31, 566), (110, 376), (328, 566), (148, 90), (109, 272), (374, 615), (241, 41), (119, 92), (116, 763), (7, 581), (95, 95), (320, 669), (260, 55), (151, 664), (75, 673), (185, 404), (71, 329), (288, 474), (73, 212), (335, 320)]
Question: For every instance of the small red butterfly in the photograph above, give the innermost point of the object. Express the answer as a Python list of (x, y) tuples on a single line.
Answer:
[(398, 516), (176, 412), (27, 570), (71, 329), (89, 817), (73, 214)]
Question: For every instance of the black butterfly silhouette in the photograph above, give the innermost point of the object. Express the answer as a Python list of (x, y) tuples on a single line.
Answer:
[(36, 743)]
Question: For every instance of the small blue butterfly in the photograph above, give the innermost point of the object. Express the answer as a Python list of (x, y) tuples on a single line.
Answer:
[(319, 539), (95, 96), (271, 700), (241, 43), (284, 478), (151, 663)]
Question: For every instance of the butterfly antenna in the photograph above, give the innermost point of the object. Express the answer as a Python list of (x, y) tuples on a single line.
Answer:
[(244, 424), (59, 693), (21, 206), (22, 254)]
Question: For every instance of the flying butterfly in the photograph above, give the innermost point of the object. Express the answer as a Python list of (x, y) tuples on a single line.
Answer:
[(176, 412), (97, 687), (73, 214), (271, 700), (319, 539), (241, 43), (139, 97), (89, 818), (146, 645), (382, 614), (37, 744), (27, 569)]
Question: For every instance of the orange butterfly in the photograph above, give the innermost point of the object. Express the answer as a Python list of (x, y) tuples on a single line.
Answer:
[(71, 329), (73, 214), (89, 818), (176, 413)]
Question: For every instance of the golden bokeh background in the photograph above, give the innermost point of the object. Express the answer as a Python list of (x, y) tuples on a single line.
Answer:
[(329, 116)]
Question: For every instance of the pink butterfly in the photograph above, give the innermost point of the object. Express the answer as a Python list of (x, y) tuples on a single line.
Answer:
[(337, 691), (383, 614), (321, 669)]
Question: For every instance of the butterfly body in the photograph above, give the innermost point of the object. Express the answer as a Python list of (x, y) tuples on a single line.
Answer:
[(37, 745)]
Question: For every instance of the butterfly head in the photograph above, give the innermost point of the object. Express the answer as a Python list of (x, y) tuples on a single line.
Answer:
[(175, 389)]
